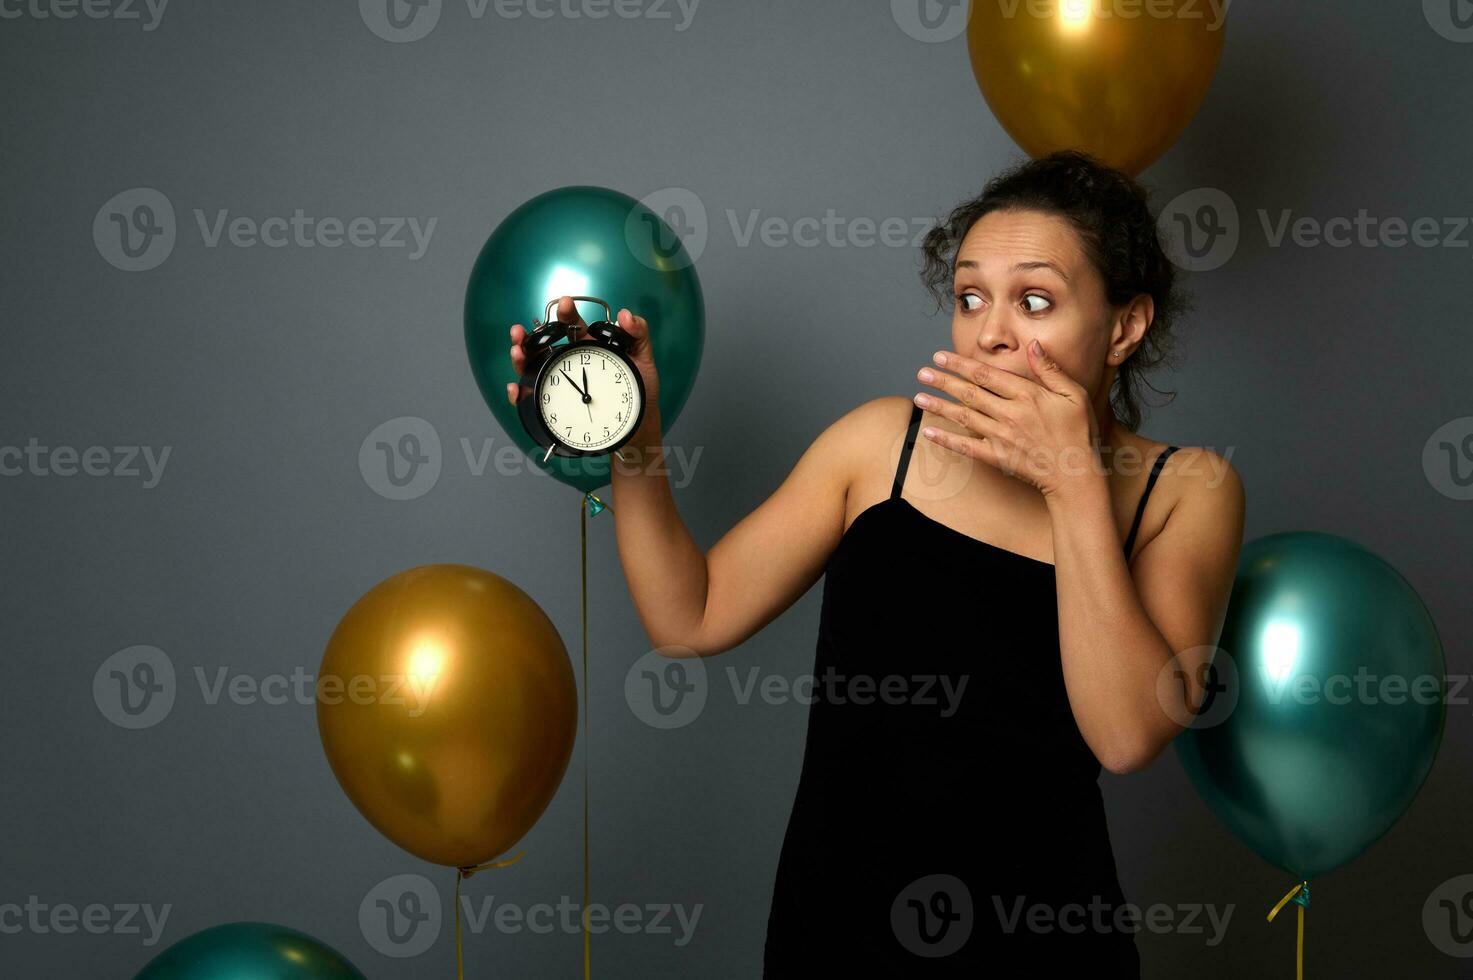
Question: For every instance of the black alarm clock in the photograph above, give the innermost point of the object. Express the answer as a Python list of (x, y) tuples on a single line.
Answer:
[(584, 397)]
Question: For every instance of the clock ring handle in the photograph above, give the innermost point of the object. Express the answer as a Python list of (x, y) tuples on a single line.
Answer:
[(547, 313)]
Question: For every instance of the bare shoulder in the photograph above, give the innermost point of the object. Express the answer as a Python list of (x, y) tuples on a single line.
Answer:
[(1199, 470), (1202, 483), (855, 435), (862, 438), (881, 416), (1197, 505)]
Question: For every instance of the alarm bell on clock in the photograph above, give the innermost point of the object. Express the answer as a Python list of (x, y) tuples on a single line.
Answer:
[(584, 397)]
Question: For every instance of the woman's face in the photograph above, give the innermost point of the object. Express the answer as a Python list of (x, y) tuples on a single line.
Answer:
[(1021, 275)]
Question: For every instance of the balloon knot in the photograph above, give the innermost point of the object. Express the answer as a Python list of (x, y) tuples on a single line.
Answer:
[(1299, 895), (465, 871)]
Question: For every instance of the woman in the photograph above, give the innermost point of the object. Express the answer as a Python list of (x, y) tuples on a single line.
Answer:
[(990, 638)]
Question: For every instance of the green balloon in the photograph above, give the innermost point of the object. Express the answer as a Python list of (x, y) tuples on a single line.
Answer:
[(589, 241), (1326, 703), (249, 951)]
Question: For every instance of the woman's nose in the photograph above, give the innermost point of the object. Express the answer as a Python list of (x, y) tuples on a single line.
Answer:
[(996, 335)]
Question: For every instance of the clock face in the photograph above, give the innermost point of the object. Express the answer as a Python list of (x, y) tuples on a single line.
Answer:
[(602, 419)]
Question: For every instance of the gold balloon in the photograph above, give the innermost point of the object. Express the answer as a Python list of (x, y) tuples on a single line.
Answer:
[(1119, 79), (448, 710)]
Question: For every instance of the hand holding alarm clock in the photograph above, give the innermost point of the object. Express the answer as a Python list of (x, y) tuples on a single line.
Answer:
[(591, 395)]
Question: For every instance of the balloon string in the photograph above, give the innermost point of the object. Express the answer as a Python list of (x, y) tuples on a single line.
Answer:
[(1300, 894), (590, 500), (460, 874), (466, 872), (583, 580)]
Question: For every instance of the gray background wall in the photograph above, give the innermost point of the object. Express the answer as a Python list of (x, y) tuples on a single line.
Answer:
[(1324, 371)]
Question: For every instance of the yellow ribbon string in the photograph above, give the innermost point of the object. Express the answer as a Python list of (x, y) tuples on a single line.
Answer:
[(591, 500), (460, 874), (1300, 894), (463, 873)]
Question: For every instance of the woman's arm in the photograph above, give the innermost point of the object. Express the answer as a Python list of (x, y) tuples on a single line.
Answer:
[(1118, 632), (705, 603)]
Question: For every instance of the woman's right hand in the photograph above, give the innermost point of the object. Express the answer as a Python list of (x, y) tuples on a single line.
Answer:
[(641, 353)]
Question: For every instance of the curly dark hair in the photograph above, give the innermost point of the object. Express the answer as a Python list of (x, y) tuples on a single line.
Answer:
[(1110, 210)]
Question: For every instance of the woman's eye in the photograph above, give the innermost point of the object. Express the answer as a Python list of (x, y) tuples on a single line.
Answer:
[(962, 299), (1043, 303)]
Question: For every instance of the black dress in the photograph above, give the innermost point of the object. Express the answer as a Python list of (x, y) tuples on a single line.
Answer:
[(948, 819)]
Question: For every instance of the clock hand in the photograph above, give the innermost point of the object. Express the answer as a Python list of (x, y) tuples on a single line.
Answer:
[(587, 398), (575, 384)]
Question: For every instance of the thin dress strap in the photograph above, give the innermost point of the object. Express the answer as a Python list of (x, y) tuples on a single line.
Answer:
[(1141, 507), (910, 439)]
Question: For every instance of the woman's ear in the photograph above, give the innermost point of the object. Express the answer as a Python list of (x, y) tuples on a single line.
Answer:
[(1131, 324)]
